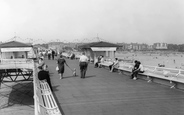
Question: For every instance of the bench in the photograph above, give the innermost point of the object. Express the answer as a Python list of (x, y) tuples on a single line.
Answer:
[(45, 103), (106, 64), (174, 76), (47, 100)]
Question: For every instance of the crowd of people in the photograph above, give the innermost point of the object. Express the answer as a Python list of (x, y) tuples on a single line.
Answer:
[(43, 73), (50, 54)]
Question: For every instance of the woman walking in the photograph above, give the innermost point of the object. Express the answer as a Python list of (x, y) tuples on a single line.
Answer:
[(61, 67)]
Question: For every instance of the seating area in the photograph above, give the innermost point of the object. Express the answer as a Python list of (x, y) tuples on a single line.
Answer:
[(45, 103), (105, 64), (167, 76)]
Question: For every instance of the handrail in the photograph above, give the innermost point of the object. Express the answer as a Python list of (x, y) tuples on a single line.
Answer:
[(36, 100), (16, 65)]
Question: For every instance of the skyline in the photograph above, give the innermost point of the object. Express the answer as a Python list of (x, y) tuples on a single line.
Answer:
[(129, 21)]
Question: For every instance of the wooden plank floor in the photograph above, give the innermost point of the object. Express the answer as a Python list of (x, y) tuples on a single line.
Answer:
[(105, 93)]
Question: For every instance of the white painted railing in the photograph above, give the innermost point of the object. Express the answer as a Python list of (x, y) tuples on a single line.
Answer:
[(44, 102), (5, 61), (16, 63), (157, 70), (174, 76), (166, 72)]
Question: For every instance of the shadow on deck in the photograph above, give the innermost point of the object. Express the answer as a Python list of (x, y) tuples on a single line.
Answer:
[(16, 98)]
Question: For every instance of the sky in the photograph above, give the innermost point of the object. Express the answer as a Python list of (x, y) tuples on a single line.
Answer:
[(129, 21)]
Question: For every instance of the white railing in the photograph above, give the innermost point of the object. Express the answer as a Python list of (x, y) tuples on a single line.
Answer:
[(44, 102), (13, 64), (5, 61), (174, 76), (170, 72), (167, 72)]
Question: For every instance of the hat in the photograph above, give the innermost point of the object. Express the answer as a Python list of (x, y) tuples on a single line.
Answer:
[(40, 67)]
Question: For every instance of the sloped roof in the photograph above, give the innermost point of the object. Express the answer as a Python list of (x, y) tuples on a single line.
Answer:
[(14, 44), (98, 44)]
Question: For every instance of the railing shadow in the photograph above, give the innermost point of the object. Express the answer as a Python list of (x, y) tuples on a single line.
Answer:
[(55, 87), (21, 94)]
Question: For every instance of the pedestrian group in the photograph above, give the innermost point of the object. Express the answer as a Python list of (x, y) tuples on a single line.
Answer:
[(43, 73)]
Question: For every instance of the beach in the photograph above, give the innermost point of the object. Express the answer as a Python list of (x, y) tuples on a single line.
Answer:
[(169, 59)]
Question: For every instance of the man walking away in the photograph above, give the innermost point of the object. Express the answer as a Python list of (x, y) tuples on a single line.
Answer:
[(53, 54), (83, 63)]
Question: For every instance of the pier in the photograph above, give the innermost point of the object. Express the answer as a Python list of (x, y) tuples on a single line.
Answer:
[(104, 93)]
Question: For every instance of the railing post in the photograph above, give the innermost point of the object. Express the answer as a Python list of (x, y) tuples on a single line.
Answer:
[(178, 73)]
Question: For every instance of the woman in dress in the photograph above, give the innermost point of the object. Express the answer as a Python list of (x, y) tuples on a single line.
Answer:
[(61, 61)]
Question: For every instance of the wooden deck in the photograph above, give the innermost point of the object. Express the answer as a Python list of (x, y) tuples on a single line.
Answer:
[(106, 93), (101, 93)]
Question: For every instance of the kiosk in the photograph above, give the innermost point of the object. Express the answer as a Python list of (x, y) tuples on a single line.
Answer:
[(95, 49), (16, 50)]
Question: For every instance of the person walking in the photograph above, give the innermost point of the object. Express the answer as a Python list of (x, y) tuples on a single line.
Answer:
[(53, 54), (49, 54), (61, 61), (83, 63)]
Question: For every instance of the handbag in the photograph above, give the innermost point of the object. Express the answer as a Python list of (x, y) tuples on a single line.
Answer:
[(57, 68)]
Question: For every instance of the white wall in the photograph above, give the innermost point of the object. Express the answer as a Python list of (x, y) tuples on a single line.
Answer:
[(6, 55)]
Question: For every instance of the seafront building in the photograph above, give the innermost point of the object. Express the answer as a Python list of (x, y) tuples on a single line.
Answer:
[(142, 46), (122, 46), (160, 46), (134, 47)]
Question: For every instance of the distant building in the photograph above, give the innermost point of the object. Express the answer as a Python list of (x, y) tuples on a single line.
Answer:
[(58, 46), (150, 47), (160, 46), (136, 47), (121, 46)]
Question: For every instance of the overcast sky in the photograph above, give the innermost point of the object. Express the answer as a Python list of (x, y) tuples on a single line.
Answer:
[(142, 21)]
